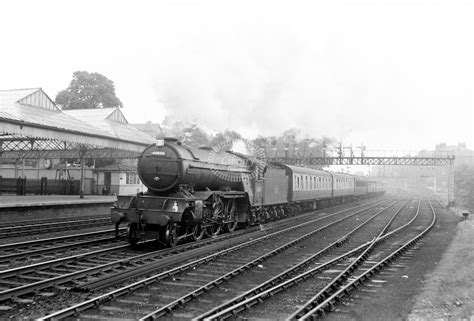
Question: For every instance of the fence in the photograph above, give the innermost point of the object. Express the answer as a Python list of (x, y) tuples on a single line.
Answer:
[(43, 186)]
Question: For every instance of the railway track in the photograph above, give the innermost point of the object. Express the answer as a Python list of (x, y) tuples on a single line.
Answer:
[(317, 290), (22, 228), (115, 261), (207, 272), (14, 254), (71, 270), (371, 261)]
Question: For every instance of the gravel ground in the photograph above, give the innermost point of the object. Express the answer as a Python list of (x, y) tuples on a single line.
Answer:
[(394, 299)]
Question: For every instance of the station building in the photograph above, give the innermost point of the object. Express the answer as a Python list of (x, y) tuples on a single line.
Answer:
[(39, 142)]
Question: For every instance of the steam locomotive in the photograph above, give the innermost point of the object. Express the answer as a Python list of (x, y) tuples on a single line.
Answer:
[(198, 192)]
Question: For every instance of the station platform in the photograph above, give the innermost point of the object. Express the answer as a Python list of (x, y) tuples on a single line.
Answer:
[(34, 207), (13, 201)]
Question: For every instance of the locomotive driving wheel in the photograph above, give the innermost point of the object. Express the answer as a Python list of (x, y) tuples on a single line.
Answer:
[(213, 229), (198, 232), (215, 223), (171, 234), (217, 208), (230, 215)]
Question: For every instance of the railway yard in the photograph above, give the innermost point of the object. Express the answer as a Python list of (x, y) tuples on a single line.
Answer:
[(207, 160), (341, 262)]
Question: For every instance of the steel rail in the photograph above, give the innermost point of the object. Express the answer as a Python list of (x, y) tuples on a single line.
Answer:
[(344, 275), (50, 220), (139, 284), (191, 295), (15, 231), (54, 224), (6, 294), (241, 303), (31, 287), (358, 280), (6, 247), (282, 277), (27, 288), (53, 248), (148, 268)]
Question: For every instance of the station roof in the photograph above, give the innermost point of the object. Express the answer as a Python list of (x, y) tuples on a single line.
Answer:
[(111, 121), (152, 129), (32, 124)]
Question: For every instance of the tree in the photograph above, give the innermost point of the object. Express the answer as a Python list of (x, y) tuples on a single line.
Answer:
[(88, 91), (189, 134)]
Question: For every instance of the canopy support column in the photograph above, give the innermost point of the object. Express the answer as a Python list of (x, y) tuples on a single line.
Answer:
[(82, 154)]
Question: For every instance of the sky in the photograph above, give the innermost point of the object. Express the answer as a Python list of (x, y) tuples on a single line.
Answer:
[(393, 75)]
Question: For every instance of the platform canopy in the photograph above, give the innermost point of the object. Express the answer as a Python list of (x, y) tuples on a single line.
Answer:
[(32, 126)]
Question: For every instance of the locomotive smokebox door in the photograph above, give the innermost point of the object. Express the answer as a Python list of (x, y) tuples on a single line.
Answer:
[(160, 168)]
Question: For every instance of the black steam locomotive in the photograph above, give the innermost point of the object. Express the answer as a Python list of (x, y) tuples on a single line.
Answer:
[(194, 192)]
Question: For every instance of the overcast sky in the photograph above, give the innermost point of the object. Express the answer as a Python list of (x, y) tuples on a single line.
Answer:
[(390, 74)]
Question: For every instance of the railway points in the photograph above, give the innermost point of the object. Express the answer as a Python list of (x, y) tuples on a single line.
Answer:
[(78, 266), (278, 245)]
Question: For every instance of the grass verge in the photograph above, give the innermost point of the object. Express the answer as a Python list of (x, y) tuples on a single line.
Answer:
[(448, 292)]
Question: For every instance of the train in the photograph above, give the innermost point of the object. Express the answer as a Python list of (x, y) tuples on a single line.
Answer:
[(198, 192)]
